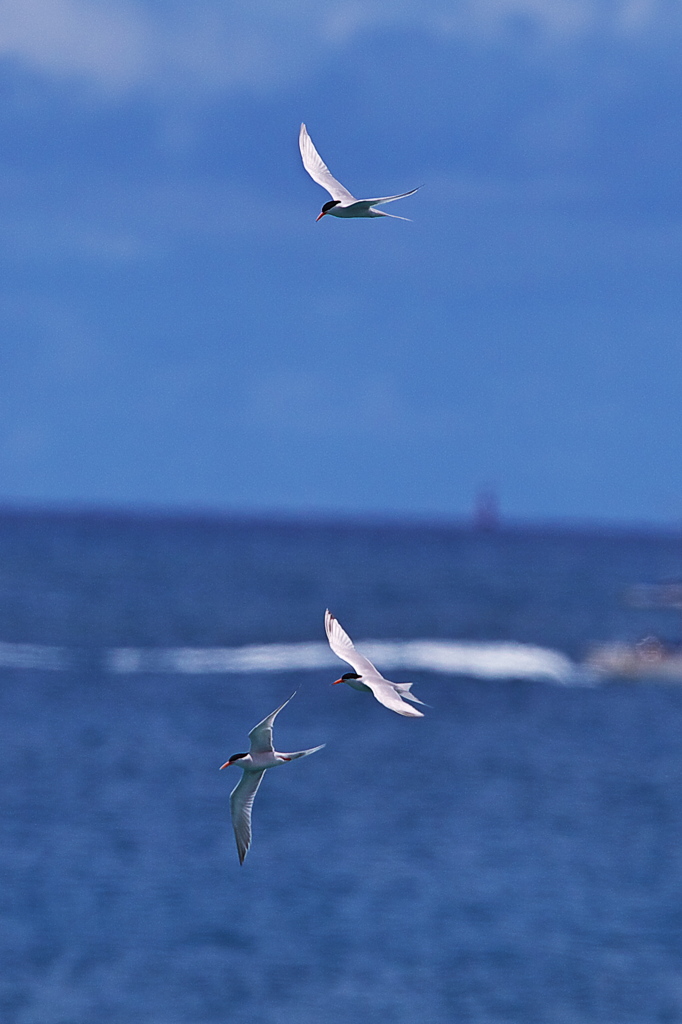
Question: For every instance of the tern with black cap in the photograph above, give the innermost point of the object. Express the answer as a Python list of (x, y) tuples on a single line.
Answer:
[(342, 203), (365, 676), (254, 763)]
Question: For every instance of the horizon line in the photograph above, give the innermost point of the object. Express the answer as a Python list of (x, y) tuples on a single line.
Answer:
[(321, 517)]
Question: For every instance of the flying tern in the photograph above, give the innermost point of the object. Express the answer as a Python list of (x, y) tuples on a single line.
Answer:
[(366, 677), (342, 203), (254, 764)]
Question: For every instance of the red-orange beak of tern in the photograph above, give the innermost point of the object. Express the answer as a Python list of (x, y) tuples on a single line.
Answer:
[(226, 765), (323, 214), (337, 681)]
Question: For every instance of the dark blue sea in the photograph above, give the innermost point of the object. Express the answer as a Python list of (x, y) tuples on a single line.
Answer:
[(514, 857)]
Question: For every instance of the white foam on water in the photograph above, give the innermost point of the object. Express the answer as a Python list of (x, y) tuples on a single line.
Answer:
[(493, 660), (200, 660), (33, 656)]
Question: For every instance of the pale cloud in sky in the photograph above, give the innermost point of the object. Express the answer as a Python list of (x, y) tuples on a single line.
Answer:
[(74, 37), (207, 45)]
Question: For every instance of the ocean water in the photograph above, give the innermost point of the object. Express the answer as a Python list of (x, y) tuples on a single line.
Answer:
[(514, 856)]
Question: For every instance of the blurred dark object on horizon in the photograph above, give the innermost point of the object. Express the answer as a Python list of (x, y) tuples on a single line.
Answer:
[(487, 510)]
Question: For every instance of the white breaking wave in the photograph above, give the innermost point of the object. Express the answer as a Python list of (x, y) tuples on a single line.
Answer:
[(33, 656), (493, 660)]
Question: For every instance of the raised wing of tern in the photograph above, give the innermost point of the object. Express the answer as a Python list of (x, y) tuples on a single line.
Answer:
[(254, 764), (365, 676), (343, 203), (261, 734), (318, 170)]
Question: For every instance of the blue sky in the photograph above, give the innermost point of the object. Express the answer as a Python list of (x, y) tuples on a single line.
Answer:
[(178, 331)]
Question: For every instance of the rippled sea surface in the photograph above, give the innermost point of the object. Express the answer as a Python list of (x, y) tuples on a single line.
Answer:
[(514, 856)]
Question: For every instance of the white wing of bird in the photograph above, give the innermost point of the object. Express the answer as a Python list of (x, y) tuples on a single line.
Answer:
[(261, 734), (365, 676), (343, 203), (241, 802), (318, 170), (261, 756)]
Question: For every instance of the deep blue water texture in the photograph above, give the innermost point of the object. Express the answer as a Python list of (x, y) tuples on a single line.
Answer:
[(515, 856)]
